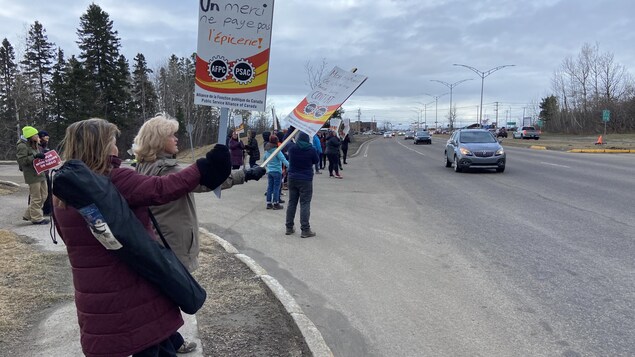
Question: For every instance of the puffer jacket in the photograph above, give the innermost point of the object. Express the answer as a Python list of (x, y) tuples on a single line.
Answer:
[(25, 155), (119, 312), (236, 149)]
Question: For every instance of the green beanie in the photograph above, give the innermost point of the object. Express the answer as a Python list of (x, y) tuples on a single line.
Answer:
[(29, 131)]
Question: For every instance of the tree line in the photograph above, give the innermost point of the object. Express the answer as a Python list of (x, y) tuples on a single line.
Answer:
[(584, 86), (49, 91)]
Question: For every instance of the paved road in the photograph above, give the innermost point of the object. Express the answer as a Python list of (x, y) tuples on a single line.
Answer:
[(412, 259)]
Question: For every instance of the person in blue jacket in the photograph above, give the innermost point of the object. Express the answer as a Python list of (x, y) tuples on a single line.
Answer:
[(318, 148), (274, 173), (302, 158)]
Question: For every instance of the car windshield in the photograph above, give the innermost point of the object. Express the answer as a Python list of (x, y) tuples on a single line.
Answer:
[(422, 133), (477, 137)]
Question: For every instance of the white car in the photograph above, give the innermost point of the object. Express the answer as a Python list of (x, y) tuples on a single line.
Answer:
[(387, 135)]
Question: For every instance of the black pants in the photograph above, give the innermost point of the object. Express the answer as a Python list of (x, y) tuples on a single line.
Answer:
[(322, 161), (334, 164), (299, 191), (252, 161), (344, 152), (165, 348)]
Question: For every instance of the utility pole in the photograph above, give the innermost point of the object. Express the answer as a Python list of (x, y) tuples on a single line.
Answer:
[(498, 126), (436, 107), (451, 86)]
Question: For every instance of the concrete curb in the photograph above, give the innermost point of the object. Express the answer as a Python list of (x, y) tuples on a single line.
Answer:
[(362, 146), (607, 151), (311, 334), (538, 147)]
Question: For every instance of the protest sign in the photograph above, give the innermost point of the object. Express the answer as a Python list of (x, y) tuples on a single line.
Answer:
[(317, 107), (51, 160), (334, 125), (347, 126), (232, 55), (239, 126)]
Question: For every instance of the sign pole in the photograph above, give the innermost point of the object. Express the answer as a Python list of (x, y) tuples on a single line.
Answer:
[(222, 126)]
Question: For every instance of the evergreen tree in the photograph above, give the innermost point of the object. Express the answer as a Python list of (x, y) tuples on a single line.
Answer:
[(144, 97), (77, 91), (37, 65), (58, 100), (99, 45), (8, 70)]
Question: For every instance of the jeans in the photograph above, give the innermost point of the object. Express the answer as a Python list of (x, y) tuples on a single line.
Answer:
[(274, 181), (302, 191)]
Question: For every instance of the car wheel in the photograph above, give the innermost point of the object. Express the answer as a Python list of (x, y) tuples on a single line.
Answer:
[(500, 169), (457, 167), (447, 162), (536, 138)]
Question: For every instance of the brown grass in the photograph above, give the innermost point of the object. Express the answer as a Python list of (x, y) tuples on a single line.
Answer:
[(569, 142), (31, 281)]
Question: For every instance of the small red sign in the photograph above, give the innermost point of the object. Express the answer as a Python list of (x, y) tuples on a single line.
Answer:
[(51, 160)]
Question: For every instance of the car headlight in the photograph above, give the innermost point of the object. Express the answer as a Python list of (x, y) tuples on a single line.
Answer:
[(500, 151), (465, 151)]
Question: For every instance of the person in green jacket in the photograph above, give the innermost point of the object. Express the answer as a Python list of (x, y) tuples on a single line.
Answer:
[(26, 152)]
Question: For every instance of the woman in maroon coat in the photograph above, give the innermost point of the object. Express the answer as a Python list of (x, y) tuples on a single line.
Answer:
[(119, 312), (237, 150)]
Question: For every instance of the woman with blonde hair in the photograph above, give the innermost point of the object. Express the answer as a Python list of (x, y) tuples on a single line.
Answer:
[(119, 312)]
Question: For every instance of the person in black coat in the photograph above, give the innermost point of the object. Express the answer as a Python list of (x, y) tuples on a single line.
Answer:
[(252, 149), (333, 145)]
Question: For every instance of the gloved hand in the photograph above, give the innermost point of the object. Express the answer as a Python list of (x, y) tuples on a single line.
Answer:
[(215, 167), (254, 173), (39, 155)]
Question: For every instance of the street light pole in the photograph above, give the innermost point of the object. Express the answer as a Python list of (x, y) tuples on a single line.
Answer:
[(451, 86), (436, 108), (483, 74)]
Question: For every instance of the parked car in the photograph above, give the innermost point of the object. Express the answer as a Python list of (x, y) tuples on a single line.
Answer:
[(527, 132), (422, 137), (409, 135), (474, 148)]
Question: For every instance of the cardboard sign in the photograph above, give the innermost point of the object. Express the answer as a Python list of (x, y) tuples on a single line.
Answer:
[(51, 160), (317, 107), (232, 54)]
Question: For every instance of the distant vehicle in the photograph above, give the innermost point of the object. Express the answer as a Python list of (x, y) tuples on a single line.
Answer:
[(527, 132), (401, 133), (422, 137), (387, 135), (501, 133), (474, 148), (409, 135)]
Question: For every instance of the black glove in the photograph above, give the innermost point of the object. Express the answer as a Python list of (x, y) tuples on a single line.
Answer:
[(39, 155), (215, 167), (254, 173)]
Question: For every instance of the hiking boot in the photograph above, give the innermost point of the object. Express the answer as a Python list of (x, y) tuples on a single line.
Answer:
[(187, 347), (277, 206), (289, 231), (44, 221), (269, 206), (307, 234)]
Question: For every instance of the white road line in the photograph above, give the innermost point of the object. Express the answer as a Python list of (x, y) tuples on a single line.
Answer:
[(366, 150), (411, 149), (548, 163)]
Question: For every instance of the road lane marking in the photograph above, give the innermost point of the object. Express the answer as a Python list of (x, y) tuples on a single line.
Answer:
[(548, 163), (411, 149)]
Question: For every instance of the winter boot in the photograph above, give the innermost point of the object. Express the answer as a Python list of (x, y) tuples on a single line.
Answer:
[(307, 233)]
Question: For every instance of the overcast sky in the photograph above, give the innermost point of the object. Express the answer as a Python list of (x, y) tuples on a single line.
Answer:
[(400, 45)]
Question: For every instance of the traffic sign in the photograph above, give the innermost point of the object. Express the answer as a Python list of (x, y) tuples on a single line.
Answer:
[(606, 115)]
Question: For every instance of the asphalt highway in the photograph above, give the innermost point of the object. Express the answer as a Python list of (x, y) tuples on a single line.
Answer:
[(413, 259)]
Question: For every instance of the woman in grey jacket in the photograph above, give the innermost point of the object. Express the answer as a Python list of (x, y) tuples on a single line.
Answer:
[(156, 146)]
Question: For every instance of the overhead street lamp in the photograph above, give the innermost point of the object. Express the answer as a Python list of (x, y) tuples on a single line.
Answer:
[(483, 74), (436, 107), (451, 86)]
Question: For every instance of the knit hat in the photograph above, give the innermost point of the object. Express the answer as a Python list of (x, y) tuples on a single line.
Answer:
[(29, 131), (42, 134)]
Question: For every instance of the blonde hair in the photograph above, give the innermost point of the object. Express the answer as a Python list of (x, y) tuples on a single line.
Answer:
[(91, 141), (150, 141)]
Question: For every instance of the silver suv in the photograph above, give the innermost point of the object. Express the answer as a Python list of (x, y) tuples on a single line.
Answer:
[(474, 148)]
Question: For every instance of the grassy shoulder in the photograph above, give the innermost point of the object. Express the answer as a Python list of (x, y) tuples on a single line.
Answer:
[(563, 142), (31, 282)]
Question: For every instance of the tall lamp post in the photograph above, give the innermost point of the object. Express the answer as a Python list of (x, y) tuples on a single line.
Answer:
[(436, 107), (451, 86), (483, 74)]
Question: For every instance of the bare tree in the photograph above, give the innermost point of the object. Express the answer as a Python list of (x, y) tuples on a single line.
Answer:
[(315, 74)]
